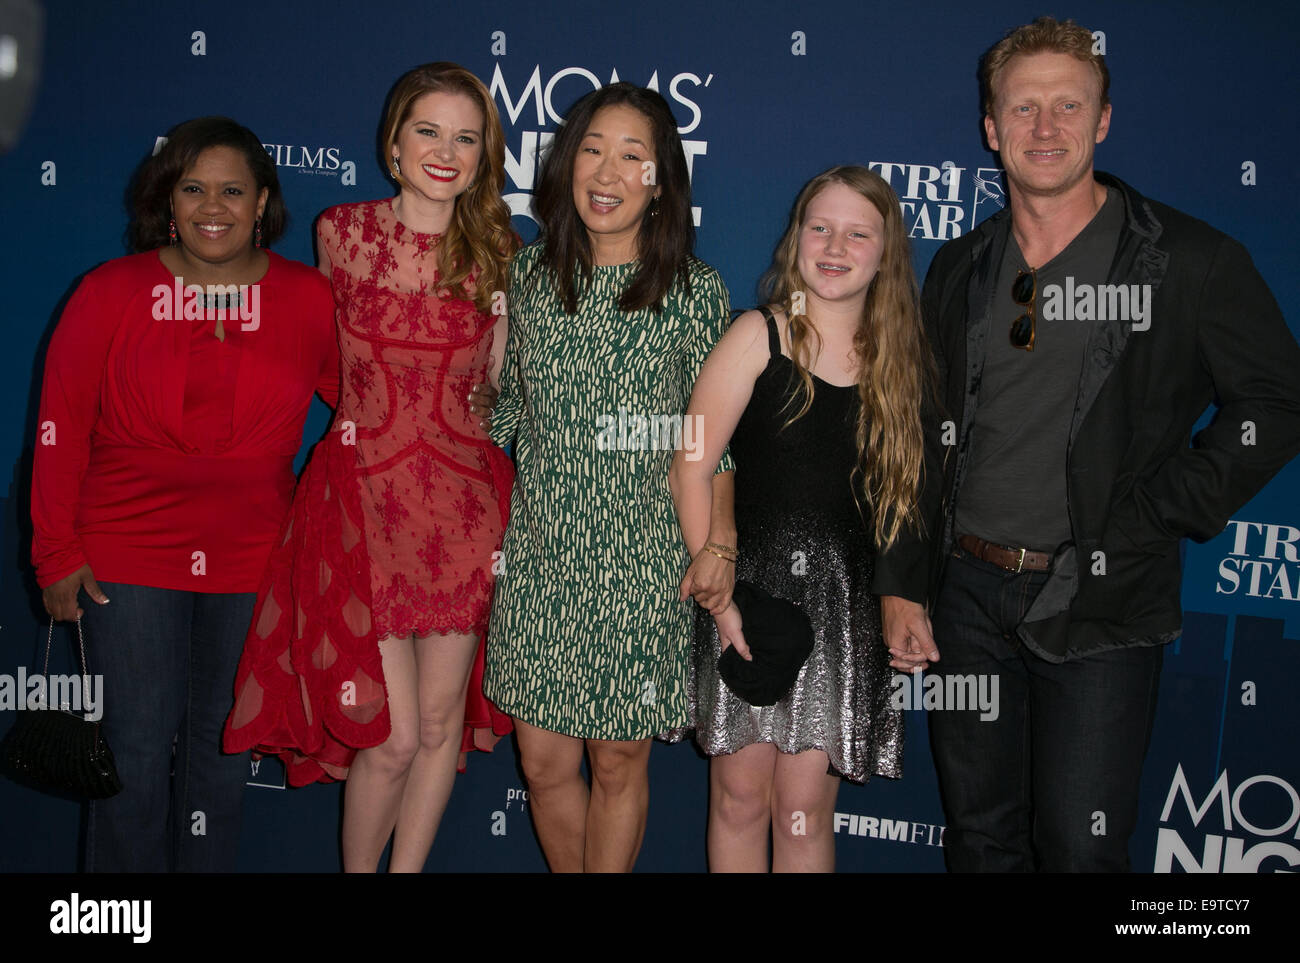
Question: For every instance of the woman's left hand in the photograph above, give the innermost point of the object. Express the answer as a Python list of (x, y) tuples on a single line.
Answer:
[(710, 580)]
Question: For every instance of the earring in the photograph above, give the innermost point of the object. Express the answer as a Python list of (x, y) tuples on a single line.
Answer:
[(397, 165), (654, 206), (171, 231), (257, 233)]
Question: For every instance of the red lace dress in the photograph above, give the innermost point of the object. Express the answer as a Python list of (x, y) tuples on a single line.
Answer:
[(397, 520)]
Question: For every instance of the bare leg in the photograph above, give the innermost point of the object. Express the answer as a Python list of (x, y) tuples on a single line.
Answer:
[(803, 807), (378, 774), (740, 809), (620, 799), (557, 794), (443, 663)]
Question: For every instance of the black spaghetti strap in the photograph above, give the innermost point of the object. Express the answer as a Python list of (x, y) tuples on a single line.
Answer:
[(773, 338)]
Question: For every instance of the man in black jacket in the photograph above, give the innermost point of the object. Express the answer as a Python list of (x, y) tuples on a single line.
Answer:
[(1079, 334)]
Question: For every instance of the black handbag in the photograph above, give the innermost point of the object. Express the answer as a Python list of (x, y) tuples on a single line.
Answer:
[(780, 639), (58, 750)]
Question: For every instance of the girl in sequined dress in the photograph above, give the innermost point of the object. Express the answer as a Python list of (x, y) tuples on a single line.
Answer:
[(819, 395)]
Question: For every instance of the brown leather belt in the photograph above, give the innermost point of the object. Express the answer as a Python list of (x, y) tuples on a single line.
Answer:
[(1011, 559)]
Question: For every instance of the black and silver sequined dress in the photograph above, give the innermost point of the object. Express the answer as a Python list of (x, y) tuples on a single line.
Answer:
[(802, 538)]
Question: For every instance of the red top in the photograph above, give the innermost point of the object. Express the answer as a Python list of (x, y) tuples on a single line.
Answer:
[(164, 457)]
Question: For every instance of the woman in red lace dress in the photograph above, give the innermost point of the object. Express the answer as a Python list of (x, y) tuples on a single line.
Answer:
[(369, 627)]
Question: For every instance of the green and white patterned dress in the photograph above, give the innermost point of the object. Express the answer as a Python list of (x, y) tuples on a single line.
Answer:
[(588, 637)]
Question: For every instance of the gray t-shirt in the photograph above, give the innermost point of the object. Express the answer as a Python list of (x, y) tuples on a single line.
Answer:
[(1013, 490)]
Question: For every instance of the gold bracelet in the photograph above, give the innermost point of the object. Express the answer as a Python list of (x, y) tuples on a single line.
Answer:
[(729, 549), (723, 557)]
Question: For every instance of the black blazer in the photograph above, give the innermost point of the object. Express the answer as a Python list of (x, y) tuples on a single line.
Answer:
[(1135, 487)]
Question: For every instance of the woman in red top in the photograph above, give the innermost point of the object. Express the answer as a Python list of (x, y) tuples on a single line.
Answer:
[(369, 631), (176, 386)]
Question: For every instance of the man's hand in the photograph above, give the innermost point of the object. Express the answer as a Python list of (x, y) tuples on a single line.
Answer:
[(482, 402), (61, 597), (908, 635)]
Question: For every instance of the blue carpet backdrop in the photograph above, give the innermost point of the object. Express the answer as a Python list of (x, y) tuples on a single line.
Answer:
[(767, 94)]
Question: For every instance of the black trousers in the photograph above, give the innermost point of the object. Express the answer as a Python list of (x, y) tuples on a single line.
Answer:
[(1050, 784)]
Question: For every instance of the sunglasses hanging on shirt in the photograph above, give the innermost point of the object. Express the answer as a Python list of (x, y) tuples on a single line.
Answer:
[(1023, 290)]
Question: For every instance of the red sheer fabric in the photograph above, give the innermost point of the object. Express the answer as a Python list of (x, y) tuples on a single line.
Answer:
[(396, 520)]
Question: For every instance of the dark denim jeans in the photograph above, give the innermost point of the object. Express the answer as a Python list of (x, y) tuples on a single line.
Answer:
[(168, 659), (1052, 784)]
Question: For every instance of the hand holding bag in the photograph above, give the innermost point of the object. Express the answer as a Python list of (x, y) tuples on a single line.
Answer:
[(780, 639)]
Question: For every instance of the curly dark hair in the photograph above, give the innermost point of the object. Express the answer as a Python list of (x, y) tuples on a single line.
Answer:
[(151, 193), (664, 242)]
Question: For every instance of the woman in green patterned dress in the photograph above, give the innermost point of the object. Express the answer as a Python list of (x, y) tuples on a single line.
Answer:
[(611, 318)]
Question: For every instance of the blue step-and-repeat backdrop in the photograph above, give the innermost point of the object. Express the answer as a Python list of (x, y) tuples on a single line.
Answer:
[(767, 94)]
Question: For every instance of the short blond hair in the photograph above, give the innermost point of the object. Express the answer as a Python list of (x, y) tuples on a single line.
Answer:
[(1044, 35)]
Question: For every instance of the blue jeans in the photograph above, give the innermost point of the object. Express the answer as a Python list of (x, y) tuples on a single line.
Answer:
[(1052, 784), (168, 659)]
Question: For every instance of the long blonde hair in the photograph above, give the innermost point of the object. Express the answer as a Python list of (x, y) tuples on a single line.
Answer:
[(479, 235), (896, 372)]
